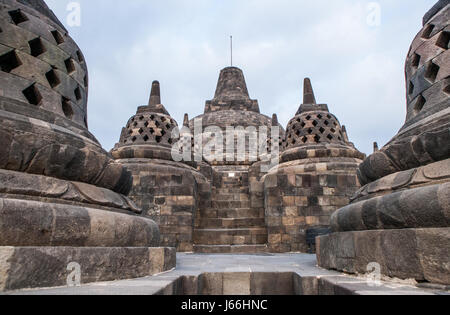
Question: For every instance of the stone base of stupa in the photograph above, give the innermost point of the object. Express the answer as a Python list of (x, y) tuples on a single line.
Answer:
[(41, 267), (49, 227), (401, 222), (419, 254)]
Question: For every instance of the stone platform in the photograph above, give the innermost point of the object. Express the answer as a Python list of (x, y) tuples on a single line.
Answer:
[(263, 274)]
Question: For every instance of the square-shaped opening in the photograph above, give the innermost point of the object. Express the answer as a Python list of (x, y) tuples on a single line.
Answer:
[(431, 72), (426, 34), (59, 39), (443, 40), (66, 107), (80, 56), (70, 66), (9, 61), (52, 78), (18, 16), (37, 48), (86, 82), (415, 61), (33, 95), (77, 93), (420, 103)]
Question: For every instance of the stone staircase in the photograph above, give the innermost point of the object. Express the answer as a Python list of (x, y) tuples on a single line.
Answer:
[(231, 225)]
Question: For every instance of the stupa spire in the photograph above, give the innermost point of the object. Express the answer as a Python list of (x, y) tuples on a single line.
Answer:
[(308, 92), (155, 95)]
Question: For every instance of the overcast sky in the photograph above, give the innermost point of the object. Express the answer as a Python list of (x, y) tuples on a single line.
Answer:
[(356, 67)]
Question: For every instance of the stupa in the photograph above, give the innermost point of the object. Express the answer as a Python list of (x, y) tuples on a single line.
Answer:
[(61, 194), (400, 218), (317, 175)]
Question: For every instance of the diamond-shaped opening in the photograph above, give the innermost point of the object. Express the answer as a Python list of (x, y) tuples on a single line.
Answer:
[(80, 56), (152, 131), (158, 139), (146, 138), (426, 34), (304, 139), (420, 103), (167, 126), (141, 117), (152, 117), (310, 131), (443, 40), (322, 130), (329, 116), (317, 139), (59, 39), (18, 16), (319, 116), (411, 88), (135, 124), (77, 93), (170, 140), (315, 123), (141, 131), (134, 139), (157, 124), (67, 108), (330, 137), (37, 48), (293, 141), (53, 78), (70, 66), (32, 95), (431, 71), (163, 132), (298, 133), (9, 61), (299, 120), (415, 60), (130, 132), (303, 125), (85, 121), (163, 119), (333, 130), (326, 122), (146, 124), (86, 81), (308, 117)]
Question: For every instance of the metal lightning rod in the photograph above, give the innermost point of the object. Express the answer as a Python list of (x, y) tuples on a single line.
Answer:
[(231, 46)]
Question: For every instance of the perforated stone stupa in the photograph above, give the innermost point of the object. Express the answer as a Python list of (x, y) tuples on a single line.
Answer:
[(400, 218), (231, 180), (61, 196)]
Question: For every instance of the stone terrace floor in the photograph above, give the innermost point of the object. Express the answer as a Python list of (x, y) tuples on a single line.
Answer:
[(303, 265)]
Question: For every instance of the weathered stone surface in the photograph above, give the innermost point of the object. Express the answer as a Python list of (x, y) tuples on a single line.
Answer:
[(420, 254), (167, 191), (316, 177), (60, 192), (31, 267), (400, 218), (37, 223)]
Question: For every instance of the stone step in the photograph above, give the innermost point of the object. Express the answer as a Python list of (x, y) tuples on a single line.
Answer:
[(216, 204), (227, 191), (231, 249), (252, 236), (230, 197), (232, 213), (232, 223)]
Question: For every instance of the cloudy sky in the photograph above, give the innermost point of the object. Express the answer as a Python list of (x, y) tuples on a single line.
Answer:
[(354, 57)]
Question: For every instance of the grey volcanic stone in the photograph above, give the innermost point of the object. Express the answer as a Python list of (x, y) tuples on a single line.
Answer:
[(22, 267)]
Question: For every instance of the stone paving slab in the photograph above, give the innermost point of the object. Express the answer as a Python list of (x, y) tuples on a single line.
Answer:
[(193, 266)]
